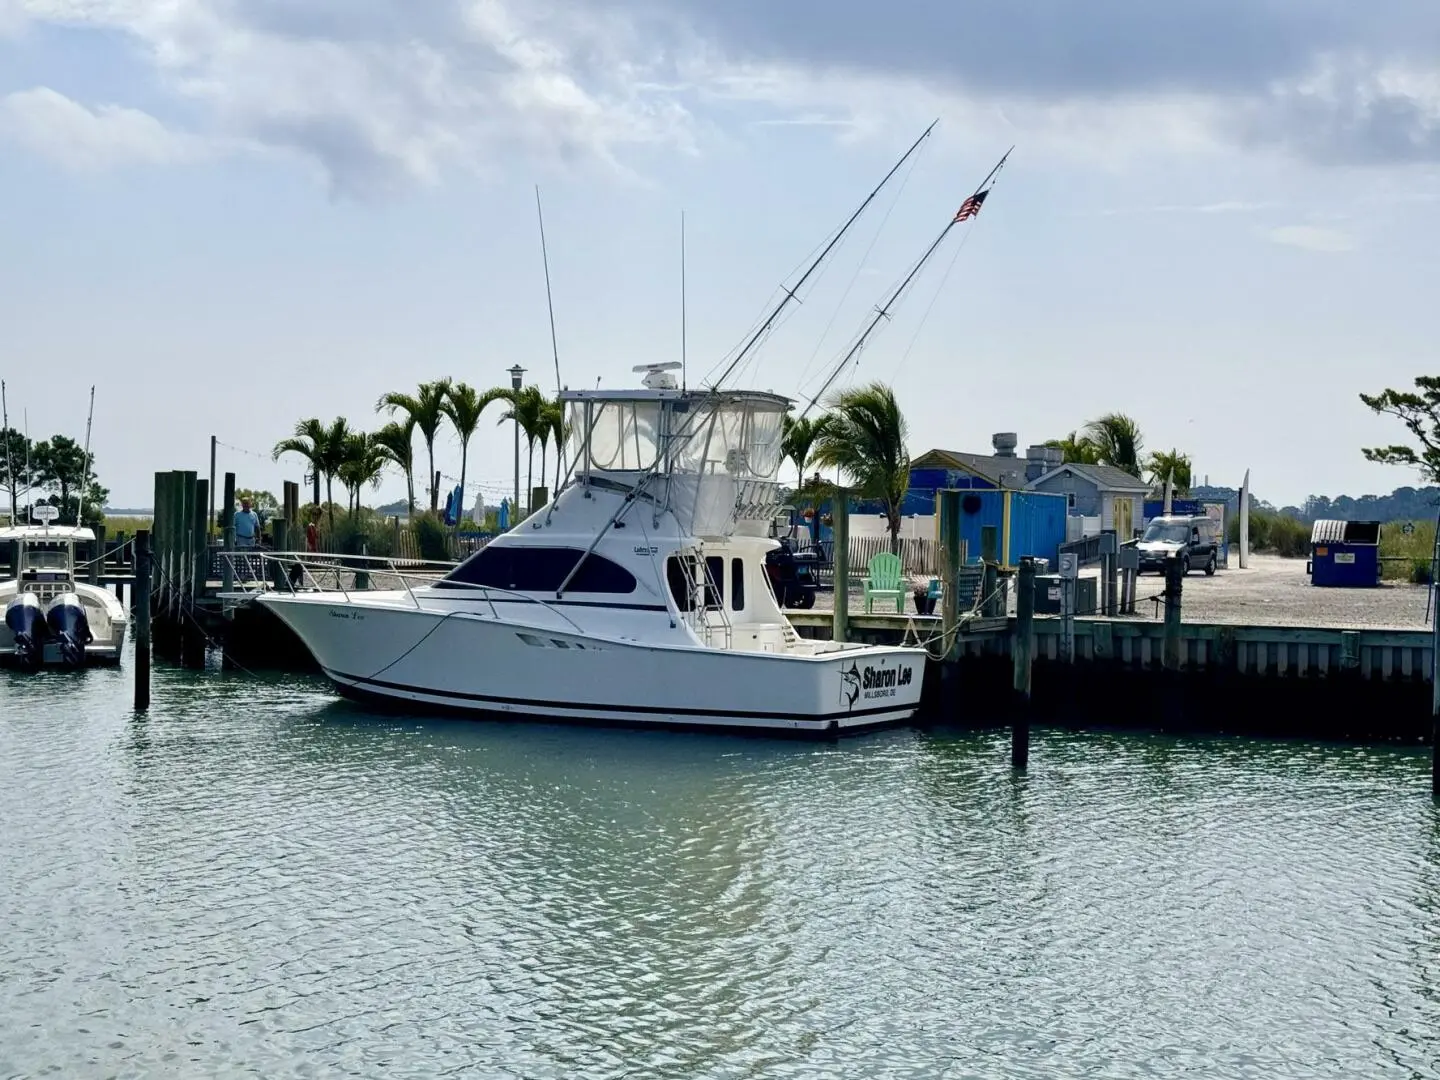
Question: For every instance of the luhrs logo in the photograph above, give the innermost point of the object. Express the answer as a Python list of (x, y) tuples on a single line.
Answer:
[(872, 683)]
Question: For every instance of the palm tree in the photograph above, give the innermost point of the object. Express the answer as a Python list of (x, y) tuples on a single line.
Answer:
[(1076, 449), (797, 442), (864, 438), (560, 429), (323, 447), (397, 443), (463, 405), (426, 410), (364, 463), (527, 408), (552, 426), (1162, 465), (1117, 441)]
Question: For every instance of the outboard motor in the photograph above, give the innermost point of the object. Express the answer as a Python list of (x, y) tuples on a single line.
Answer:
[(69, 625), (26, 621)]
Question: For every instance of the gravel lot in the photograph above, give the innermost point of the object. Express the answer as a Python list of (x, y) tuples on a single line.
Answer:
[(1272, 591)]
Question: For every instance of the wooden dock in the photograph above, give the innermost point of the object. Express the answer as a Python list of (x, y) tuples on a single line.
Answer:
[(1138, 644), (1324, 682)]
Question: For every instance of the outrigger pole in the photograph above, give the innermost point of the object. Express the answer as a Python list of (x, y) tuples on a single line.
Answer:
[(684, 432), (791, 291), (9, 467), (85, 470), (968, 209)]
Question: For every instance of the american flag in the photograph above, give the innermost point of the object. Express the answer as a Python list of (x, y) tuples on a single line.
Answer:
[(971, 206)]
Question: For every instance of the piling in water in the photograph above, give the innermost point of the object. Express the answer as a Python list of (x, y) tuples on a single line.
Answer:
[(1023, 652), (141, 597), (1170, 650), (840, 530)]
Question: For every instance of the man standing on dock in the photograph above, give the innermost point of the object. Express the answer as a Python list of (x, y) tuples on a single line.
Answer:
[(247, 525)]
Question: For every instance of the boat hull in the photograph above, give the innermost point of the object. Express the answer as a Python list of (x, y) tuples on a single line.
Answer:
[(459, 662)]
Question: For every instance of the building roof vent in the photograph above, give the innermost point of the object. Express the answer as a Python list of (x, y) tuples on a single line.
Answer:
[(1004, 443)]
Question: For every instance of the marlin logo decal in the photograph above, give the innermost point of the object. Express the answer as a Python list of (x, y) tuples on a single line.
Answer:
[(850, 685)]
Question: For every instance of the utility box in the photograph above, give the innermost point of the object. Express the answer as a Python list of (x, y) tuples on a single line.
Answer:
[(1345, 554), (1050, 597)]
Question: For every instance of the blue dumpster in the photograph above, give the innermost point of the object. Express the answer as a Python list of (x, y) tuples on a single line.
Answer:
[(1345, 554)]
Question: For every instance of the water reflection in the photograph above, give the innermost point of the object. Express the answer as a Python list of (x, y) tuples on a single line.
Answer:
[(253, 876)]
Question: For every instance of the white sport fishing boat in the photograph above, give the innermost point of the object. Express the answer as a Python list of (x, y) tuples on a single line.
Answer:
[(51, 619), (638, 596)]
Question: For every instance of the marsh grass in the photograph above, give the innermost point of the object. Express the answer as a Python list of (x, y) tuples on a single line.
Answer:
[(1407, 557)]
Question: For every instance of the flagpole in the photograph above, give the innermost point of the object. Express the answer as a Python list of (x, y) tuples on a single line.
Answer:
[(883, 312)]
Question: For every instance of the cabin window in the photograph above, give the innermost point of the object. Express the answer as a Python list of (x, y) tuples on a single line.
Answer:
[(714, 582), (539, 569), (737, 584)]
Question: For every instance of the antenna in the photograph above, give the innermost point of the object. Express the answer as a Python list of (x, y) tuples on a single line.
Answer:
[(28, 475), (5, 432), (682, 301), (85, 470), (549, 303)]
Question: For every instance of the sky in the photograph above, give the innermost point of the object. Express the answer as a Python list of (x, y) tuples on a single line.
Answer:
[(228, 215)]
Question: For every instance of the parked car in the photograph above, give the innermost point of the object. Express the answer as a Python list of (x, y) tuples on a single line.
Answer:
[(1194, 540)]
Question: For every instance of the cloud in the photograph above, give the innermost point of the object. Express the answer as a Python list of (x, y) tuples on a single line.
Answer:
[(1233, 206), (12, 17), (1325, 80), (382, 95), (1312, 238), (52, 126)]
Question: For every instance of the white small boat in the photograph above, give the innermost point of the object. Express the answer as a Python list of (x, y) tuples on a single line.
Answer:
[(51, 618), (638, 596)]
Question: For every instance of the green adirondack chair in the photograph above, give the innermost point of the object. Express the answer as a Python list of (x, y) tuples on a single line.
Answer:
[(882, 580)]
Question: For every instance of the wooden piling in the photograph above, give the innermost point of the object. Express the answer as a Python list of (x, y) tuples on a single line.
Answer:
[(156, 524), (1435, 671), (194, 639), (1170, 649), (1022, 650), (97, 555), (948, 510), (185, 540), (227, 507), (281, 531), (992, 606), (840, 534), (1109, 562), (141, 595)]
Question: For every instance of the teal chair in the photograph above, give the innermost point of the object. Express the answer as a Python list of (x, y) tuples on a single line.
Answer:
[(883, 580)]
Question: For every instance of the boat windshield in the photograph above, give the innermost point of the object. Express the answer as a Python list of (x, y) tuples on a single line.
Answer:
[(735, 436), (1173, 532), (47, 558), (741, 438), (624, 435)]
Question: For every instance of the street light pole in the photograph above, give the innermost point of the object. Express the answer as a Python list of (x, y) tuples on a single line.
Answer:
[(517, 377)]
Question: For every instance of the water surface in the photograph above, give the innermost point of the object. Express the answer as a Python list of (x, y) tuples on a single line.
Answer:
[(257, 880)]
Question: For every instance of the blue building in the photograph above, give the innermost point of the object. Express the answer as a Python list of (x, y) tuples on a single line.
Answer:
[(1027, 522)]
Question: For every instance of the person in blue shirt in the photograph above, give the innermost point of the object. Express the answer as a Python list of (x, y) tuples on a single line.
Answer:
[(247, 525)]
